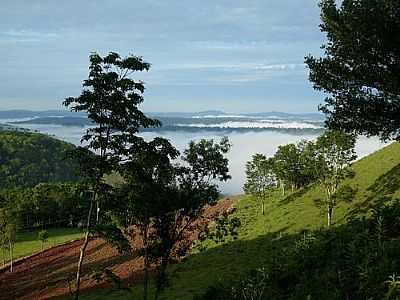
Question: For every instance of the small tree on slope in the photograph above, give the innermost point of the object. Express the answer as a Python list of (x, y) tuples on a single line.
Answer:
[(333, 154), (260, 178)]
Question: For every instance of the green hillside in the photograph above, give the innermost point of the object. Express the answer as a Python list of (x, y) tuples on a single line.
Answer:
[(377, 180), (28, 158)]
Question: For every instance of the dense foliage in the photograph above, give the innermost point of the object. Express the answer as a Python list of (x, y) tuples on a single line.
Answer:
[(164, 199), (46, 205), (27, 159), (360, 66)]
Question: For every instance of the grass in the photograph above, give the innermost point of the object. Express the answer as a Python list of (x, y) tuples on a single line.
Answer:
[(28, 243), (377, 180)]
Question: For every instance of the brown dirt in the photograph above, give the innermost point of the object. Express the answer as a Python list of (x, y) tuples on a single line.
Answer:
[(46, 275)]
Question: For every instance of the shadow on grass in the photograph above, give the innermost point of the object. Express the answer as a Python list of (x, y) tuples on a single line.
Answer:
[(293, 196), (380, 192)]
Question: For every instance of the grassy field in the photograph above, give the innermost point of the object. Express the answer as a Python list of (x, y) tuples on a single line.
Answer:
[(28, 243), (377, 179)]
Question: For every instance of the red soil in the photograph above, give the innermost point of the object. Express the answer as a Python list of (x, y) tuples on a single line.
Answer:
[(46, 275)]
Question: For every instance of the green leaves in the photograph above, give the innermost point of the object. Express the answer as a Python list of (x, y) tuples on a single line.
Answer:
[(260, 177), (111, 98), (27, 159), (360, 67)]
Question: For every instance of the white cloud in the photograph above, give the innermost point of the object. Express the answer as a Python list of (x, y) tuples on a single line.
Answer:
[(27, 35), (232, 66)]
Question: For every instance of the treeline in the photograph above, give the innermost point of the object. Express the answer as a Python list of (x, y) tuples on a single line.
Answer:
[(46, 205), (325, 162)]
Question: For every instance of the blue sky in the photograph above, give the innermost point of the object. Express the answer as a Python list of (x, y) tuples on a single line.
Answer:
[(233, 55)]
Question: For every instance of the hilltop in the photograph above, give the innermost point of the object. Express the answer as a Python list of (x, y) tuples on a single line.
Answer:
[(29, 158)]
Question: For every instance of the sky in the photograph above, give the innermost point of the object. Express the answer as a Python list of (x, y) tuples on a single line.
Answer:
[(230, 55)]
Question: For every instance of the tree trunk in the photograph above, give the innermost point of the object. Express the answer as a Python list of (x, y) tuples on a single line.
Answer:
[(83, 248), (283, 188), (330, 213), (146, 264), (263, 208), (11, 257), (97, 212), (162, 274)]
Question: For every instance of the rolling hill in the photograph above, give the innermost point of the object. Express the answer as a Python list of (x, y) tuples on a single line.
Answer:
[(376, 181), (28, 158), (289, 241)]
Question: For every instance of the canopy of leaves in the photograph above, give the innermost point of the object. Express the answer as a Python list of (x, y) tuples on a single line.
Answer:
[(260, 176), (49, 205), (27, 159), (111, 99), (291, 164), (333, 154), (360, 69)]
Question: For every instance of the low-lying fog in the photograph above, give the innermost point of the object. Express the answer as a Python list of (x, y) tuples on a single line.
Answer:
[(244, 145)]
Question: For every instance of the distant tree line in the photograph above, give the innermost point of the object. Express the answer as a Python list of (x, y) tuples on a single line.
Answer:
[(46, 205)]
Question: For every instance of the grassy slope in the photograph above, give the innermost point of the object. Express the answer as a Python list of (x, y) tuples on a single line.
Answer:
[(377, 178), (27, 243)]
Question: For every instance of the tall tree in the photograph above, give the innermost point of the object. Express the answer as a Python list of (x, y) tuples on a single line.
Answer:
[(111, 99), (333, 154), (260, 178), (360, 68)]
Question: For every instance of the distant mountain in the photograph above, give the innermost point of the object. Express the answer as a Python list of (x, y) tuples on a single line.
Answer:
[(221, 114), (23, 114), (207, 120), (20, 114)]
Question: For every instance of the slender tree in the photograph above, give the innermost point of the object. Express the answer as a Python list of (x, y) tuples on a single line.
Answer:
[(260, 178), (43, 237), (360, 68), (8, 233), (111, 99), (333, 154)]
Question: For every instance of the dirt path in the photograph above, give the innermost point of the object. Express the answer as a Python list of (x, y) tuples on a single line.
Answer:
[(46, 275)]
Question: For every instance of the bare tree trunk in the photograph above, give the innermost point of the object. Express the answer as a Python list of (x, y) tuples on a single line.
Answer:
[(97, 211), (330, 212), (283, 188), (83, 248), (11, 257)]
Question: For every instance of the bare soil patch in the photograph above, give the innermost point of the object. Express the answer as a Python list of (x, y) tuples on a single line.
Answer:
[(46, 275)]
